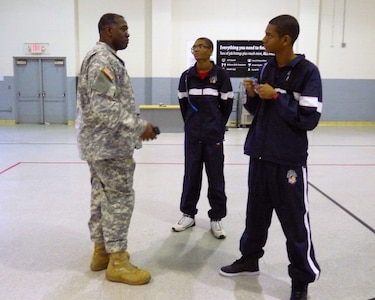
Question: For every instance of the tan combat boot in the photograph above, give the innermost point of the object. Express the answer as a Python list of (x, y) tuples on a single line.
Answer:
[(121, 270), (100, 258)]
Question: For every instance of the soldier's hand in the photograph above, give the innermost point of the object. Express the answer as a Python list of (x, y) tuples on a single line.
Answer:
[(149, 133)]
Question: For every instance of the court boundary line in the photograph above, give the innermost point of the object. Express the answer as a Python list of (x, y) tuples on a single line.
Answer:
[(228, 164)]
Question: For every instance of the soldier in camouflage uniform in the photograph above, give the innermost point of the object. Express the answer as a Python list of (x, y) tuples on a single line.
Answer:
[(108, 130)]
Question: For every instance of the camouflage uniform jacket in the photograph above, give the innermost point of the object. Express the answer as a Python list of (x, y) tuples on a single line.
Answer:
[(107, 125)]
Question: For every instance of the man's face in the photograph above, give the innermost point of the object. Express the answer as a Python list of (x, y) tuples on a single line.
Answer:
[(119, 34), (201, 50), (272, 41)]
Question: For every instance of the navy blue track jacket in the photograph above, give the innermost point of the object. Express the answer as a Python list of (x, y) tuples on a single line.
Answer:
[(278, 132), (207, 112)]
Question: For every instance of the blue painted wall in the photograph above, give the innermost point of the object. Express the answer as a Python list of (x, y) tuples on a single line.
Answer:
[(343, 99), (348, 100)]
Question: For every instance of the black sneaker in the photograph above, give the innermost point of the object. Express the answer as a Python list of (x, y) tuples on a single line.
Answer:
[(299, 291), (242, 266)]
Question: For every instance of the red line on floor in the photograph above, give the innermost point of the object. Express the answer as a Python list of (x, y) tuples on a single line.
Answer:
[(171, 163), (11, 167)]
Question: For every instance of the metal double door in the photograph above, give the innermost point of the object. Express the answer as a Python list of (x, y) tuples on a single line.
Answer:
[(40, 85)]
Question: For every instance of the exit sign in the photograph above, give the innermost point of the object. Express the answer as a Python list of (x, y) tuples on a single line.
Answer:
[(36, 48)]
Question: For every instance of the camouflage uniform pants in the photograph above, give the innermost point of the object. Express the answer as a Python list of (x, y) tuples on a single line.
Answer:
[(112, 202)]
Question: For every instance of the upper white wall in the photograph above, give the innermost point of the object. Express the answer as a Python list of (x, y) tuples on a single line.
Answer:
[(221, 20), (355, 29), (160, 30), (134, 12), (36, 21)]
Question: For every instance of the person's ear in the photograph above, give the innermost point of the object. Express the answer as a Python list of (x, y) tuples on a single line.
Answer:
[(108, 30), (287, 40)]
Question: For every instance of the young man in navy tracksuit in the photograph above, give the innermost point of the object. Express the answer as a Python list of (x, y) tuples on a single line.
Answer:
[(206, 97), (286, 101)]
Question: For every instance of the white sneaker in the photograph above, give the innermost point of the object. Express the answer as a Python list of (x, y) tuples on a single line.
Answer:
[(185, 222), (217, 229)]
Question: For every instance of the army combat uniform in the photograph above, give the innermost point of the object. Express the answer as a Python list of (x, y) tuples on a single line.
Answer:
[(108, 130)]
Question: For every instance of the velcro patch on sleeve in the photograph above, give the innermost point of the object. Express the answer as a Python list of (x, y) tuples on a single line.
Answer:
[(102, 83)]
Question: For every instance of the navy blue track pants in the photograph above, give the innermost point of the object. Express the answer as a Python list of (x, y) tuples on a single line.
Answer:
[(212, 156), (283, 189)]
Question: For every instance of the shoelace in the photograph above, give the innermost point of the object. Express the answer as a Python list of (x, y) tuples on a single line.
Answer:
[(182, 220), (217, 226)]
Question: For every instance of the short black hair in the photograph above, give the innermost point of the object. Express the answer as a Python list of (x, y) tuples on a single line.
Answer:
[(286, 25), (107, 20), (208, 41)]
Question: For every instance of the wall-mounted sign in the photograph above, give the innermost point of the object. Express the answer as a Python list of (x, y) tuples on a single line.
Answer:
[(241, 58), (36, 48)]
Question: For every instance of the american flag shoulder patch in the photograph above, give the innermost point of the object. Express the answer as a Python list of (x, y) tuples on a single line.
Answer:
[(108, 73)]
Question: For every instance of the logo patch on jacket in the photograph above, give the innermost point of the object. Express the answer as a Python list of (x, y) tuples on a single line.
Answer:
[(213, 79), (292, 177)]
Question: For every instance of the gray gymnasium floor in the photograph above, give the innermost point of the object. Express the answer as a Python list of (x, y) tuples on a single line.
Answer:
[(44, 207)]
